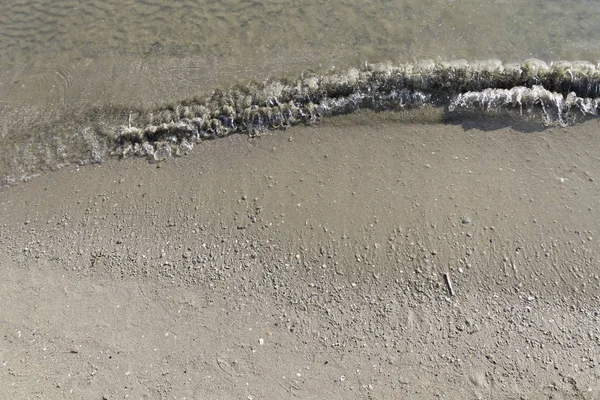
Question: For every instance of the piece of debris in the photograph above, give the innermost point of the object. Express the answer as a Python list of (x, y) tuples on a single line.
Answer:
[(449, 283)]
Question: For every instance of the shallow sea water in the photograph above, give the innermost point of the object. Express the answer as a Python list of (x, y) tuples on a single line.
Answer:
[(67, 66)]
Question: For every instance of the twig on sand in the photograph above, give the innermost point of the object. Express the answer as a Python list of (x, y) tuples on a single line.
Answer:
[(449, 283)]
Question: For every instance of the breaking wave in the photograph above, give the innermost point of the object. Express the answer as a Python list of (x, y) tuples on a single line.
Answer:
[(557, 94)]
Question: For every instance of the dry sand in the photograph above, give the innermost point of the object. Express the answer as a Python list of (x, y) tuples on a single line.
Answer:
[(311, 264)]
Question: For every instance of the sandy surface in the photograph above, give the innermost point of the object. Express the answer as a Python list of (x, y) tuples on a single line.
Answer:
[(311, 264)]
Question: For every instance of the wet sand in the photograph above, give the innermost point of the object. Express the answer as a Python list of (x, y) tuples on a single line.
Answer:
[(312, 263)]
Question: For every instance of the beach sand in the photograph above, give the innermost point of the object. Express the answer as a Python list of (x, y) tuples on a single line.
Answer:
[(312, 263)]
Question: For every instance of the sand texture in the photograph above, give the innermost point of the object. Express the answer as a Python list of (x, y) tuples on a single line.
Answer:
[(312, 263)]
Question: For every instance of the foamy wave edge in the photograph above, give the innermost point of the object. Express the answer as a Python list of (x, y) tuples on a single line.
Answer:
[(559, 93)]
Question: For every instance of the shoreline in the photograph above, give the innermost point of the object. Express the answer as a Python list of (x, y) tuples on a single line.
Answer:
[(89, 131)]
